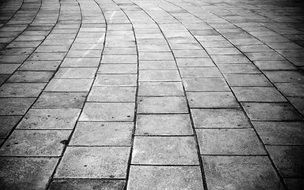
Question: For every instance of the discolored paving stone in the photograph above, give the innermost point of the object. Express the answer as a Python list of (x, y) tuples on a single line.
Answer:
[(288, 160), (239, 172), (205, 84), (291, 89), (285, 76), (160, 89), (164, 151), (238, 68), (194, 62), (49, 119), (88, 184), (162, 105), (247, 80), (280, 133), (94, 162), (165, 177), (26, 173), (118, 80), (212, 100), (159, 75), (229, 142), (15, 106), (270, 111), (258, 94), (108, 112), (35, 143), (7, 123), (200, 72), (102, 134), (39, 65), (178, 124), (69, 85), (219, 118), (84, 73), (112, 94), (30, 76), (118, 69), (21, 89), (80, 62)]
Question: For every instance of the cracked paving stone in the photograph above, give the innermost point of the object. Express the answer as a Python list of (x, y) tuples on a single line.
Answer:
[(205, 84), (219, 118), (164, 151), (84, 73), (165, 177), (270, 111), (94, 162), (229, 142), (160, 89), (178, 124), (35, 143), (26, 173), (88, 184), (288, 160), (7, 123), (280, 133), (15, 106), (102, 134), (112, 94), (240, 172), (31, 76), (49, 119), (69, 85), (108, 112), (247, 80), (16, 90), (212, 100), (159, 75), (51, 100), (258, 94), (162, 105)]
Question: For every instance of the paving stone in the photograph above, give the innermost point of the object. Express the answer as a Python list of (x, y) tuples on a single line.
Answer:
[(164, 151), (291, 89), (102, 134), (7, 123), (69, 85), (12, 59), (8, 68), (270, 111), (285, 76), (228, 59), (39, 65), (219, 118), (153, 56), (165, 177), (35, 143), (258, 94), (3, 78), (160, 89), (108, 112), (294, 183), (298, 103), (52, 49), (240, 172), (21, 89), (288, 160), (51, 100), (15, 106), (80, 62), (194, 62), (88, 184), (205, 84), (30, 76), (121, 51), (178, 124), (112, 94), (26, 173), (84, 53), (274, 65), (94, 162), (238, 68), (212, 100), (200, 72), (247, 80), (76, 73), (190, 53), (162, 105), (49, 119), (109, 59), (118, 69), (157, 65), (119, 80), (280, 133), (47, 56), (229, 142), (159, 75)]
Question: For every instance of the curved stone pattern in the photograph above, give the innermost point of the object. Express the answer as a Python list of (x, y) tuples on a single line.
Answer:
[(151, 94)]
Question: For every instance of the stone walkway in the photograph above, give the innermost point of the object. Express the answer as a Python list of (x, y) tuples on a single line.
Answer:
[(151, 94)]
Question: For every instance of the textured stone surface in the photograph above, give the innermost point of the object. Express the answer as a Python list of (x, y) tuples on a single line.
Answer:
[(88, 184), (162, 105)]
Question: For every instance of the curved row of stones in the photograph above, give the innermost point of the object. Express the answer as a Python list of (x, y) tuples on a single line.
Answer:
[(140, 94)]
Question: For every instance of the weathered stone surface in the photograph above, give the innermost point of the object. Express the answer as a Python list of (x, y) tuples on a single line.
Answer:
[(200, 72), (88, 184), (15, 106), (205, 84), (258, 94), (80, 62), (247, 80), (94, 162), (84, 73), (39, 65), (119, 80), (212, 100), (165, 177), (162, 105), (159, 75), (160, 89), (69, 85), (118, 69), (112, 94), (164, 151), (7, 123), (51, 100), (16, 90), (31, 76)]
